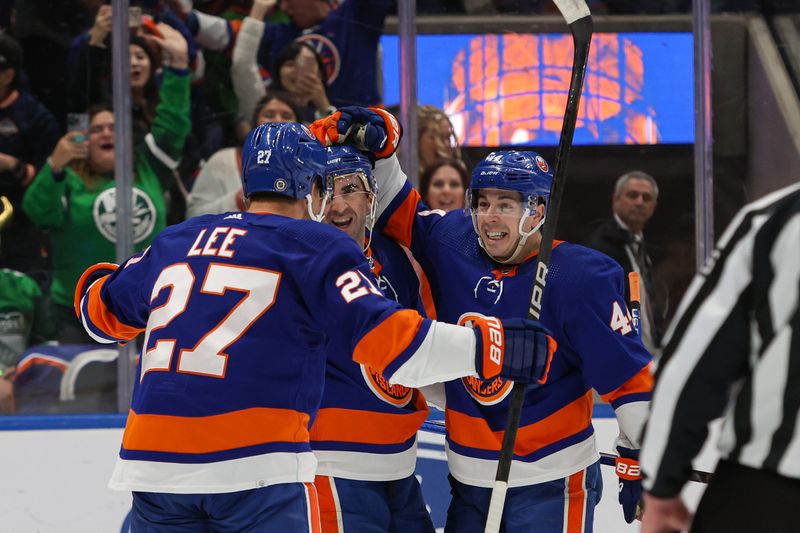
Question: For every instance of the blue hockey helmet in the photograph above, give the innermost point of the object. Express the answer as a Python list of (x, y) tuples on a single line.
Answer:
[(282, 158), (513, 170), (525, 172), (344, 159)]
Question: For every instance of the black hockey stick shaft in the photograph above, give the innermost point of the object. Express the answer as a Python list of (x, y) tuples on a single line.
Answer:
[(580, 23)]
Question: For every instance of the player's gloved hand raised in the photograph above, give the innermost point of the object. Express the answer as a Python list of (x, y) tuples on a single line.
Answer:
[(368, 128), (514, 348), (630, 482)]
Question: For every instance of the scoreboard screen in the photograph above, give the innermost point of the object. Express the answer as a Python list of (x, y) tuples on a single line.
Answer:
[(511, 88)]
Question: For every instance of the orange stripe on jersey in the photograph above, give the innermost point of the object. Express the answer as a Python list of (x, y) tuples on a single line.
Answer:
[(424, 286), (475, 432), (387, 340), (103, 319), (49, 361), (642, 381), (366, 427), (427, 296), (328, 506), (402, 220), (314, 522), (576, 502), (79, 287), (206, 434)]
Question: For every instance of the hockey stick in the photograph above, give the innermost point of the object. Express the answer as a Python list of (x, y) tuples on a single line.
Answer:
[(633, 283), (577, 15), (698, 476)]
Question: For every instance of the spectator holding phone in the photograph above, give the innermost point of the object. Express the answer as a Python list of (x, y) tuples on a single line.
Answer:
[(345, 34), (299, 71), (90, 79), (28, 133), (91, 83), (73, 195)]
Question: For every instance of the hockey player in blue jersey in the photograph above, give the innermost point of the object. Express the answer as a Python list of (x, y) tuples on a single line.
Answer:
[(482, 263), (364, 435), (238, 312)]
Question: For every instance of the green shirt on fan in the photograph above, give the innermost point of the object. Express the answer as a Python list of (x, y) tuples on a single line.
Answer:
[(81, 219)]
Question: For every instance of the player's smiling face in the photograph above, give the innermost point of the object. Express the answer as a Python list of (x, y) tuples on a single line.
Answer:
[(349, 207), (498, 213)]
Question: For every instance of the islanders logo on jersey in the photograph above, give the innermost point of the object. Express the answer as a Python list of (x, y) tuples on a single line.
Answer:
[(396, 395), (143, 214), (327, 51), (488, 290), (387, 289), (484, 391)]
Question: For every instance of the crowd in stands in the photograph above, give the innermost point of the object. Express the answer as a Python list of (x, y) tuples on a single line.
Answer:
[(202, 74)]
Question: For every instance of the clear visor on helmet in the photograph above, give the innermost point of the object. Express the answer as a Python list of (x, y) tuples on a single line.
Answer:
[(350, 187), (505, 203), (348, 183)]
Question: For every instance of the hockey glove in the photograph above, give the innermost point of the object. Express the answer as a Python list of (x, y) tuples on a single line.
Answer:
[(368, 128), (630, 482), (516, 348), (92, 274)]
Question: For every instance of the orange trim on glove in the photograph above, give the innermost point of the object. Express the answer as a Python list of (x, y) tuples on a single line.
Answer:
[(552, 346), (628, 468), (325, 130), (493, 345), (393, 131)]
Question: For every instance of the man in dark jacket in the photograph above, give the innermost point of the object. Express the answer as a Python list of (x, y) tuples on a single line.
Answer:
[(621, 238)]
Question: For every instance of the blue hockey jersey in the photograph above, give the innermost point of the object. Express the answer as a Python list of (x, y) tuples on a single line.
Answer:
[(346, 41), (366, 427), (239, 311), (584, 308)]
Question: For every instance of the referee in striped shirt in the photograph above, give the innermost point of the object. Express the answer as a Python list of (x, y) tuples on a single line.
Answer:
[(733, 350)]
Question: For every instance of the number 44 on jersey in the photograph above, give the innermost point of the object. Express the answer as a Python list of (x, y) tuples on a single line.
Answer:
[(620, 319)]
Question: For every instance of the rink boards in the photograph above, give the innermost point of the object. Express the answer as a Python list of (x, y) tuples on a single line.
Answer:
[(55, 470)]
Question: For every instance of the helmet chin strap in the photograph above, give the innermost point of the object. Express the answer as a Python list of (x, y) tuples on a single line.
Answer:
[(373, 208), (516, 256), (316, 217)]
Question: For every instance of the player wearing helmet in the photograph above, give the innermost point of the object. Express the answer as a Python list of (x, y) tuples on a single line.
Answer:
[(364, 436), (507, 199), (483, 263), (238, 312)]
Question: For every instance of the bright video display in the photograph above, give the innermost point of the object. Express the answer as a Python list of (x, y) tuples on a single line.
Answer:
[(511, 89)]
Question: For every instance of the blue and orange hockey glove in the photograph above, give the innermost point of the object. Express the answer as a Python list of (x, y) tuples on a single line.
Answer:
[(630, 482), (515, 348), (368, 128), (92, 274)]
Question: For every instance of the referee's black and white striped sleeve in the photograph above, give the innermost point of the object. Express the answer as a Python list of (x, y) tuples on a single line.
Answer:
[(734, 348)]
